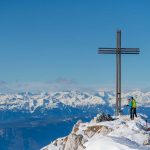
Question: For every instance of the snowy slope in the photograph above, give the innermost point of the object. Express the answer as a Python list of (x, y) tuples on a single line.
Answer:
[(120, 134)]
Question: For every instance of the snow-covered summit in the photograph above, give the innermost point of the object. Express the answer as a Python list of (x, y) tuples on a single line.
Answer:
[(119, 134)]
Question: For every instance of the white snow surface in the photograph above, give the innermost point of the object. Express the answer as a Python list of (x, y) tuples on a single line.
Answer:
[(124, 134), (105, 143)]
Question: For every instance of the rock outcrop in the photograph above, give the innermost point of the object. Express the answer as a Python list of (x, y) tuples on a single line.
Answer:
[(121, 132)]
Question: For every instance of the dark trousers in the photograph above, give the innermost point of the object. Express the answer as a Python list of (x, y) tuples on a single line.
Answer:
[(133, 113)]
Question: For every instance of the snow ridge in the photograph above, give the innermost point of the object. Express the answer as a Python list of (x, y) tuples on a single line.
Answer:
[(119, 134)]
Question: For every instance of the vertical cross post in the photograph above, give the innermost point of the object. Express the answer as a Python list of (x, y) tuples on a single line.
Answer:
[(118, 72), (118, 51)]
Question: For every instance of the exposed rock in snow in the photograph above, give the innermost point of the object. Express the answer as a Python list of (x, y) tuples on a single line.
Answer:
[(74, 142), (104, 117), (119, 134)]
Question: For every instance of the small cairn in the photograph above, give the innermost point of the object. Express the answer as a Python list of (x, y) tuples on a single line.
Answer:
[(103, 117)]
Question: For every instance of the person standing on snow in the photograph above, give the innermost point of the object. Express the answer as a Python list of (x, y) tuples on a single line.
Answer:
[(130, 105), (133, 101)]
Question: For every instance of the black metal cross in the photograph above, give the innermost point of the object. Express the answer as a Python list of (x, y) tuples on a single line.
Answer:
[(118, 51)]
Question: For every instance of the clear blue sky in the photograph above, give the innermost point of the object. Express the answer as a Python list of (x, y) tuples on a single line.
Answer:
[(50, 40)]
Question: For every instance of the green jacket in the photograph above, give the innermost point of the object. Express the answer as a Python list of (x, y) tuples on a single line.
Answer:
[(133, 103)]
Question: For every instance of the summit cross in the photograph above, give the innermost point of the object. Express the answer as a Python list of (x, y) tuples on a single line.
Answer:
[(118, 51)]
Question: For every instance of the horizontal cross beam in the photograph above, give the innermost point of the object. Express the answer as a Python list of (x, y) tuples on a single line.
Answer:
[(128, 49), (119, 51)]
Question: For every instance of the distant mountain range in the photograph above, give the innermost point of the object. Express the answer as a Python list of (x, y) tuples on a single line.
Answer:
[(63, 105), (29, 102), (33, 118)]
